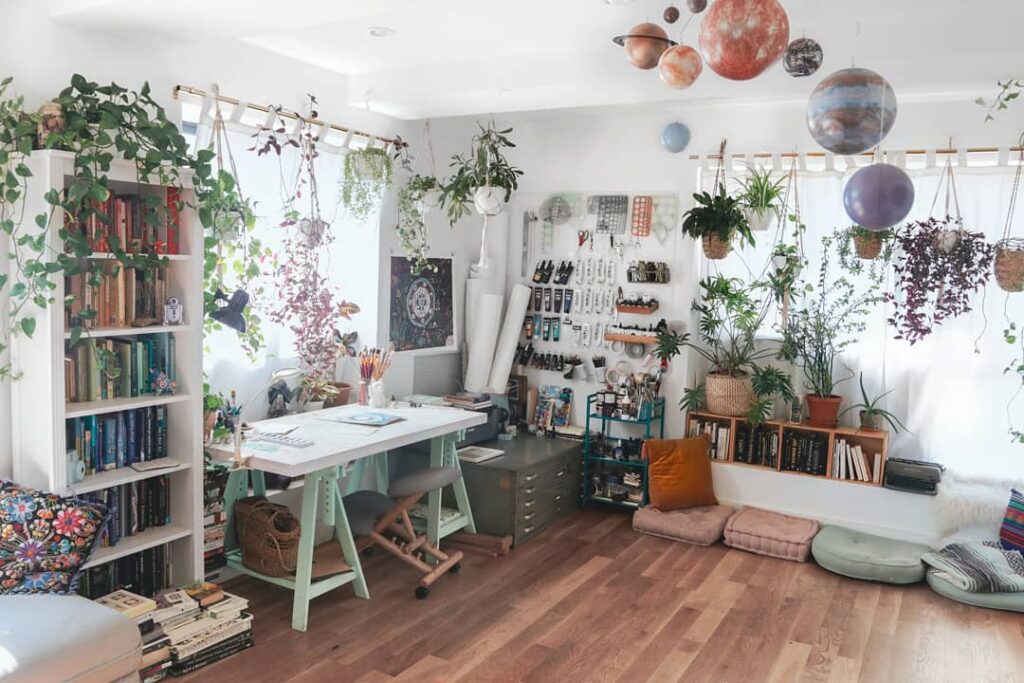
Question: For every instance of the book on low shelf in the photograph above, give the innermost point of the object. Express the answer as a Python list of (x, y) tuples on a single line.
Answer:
[(144, 573)]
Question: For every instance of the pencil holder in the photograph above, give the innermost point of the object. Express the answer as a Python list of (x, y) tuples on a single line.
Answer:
[(364, 397), (378, 396)]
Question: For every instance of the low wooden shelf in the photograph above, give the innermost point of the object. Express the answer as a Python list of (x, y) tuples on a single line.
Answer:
[(872, 441)]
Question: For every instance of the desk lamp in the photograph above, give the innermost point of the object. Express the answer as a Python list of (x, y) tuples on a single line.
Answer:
[(275, 376)]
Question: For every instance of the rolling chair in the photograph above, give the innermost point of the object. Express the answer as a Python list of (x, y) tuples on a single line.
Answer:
[(383, 521)]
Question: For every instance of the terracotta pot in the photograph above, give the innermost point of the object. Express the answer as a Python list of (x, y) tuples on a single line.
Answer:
[(867, 248), (728, 395), (872, 421), (714, 248), (823, 411), (344, 391)]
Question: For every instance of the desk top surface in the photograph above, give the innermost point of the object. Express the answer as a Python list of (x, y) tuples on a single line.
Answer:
[(336, 443)]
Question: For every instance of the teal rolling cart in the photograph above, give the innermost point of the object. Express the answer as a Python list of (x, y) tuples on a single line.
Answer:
[(597, 463)]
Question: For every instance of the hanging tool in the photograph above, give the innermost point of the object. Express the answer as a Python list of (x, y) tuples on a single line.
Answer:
[(529, 218)]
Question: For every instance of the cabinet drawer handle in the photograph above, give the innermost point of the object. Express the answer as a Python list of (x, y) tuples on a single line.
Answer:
[(527, 530), (529, 490), (559, 473), (527, 518), (558, 497), (528, 504), (530, 477)]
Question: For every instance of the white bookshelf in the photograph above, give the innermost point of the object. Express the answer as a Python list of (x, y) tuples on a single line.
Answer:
[(40, 409)]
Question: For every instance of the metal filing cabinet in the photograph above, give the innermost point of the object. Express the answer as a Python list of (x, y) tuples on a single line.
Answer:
[(535, 483)]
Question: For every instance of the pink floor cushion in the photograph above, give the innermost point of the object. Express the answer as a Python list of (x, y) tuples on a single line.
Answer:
[(769, 533), (699, 525)]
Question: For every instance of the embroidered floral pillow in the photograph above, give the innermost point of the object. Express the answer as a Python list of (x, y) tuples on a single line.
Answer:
[(44, 539)]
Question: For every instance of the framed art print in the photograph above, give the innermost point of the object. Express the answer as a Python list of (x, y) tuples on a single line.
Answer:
[(422, 305)]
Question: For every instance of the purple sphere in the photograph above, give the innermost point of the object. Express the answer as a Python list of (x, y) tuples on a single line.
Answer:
[(878, 196)]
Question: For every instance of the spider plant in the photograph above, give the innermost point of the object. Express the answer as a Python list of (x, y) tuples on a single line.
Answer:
[(761, 193), (870, 412)]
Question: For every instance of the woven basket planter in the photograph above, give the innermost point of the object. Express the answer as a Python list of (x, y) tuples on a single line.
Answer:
[(714, 248), (728, 395), (1009, 265), (268, 535), (867, 248)]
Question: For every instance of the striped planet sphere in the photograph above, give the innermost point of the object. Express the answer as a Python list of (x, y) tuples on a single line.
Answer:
[(851, 111)]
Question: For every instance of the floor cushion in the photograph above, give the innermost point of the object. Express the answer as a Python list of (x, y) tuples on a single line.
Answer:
[(679, 473), (1011, 533), (864, 556), (770, 533), (45, 539), (700, 525), (1011, 602), (66, 638)]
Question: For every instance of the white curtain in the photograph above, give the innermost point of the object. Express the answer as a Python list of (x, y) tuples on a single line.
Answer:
[(949, 389), (352, 260)]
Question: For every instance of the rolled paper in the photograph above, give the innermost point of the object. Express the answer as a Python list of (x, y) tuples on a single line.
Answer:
[(483, 338), (509, 337)]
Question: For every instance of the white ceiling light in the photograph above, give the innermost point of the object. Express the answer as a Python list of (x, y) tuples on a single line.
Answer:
[(381, 31)]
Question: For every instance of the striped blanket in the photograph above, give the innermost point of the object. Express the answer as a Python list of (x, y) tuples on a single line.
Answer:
[(979, 567)]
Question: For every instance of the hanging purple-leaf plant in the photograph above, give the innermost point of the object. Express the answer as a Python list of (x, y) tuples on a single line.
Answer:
[(938, 269)]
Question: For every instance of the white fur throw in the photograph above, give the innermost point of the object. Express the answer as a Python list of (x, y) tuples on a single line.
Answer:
[(973, 502)]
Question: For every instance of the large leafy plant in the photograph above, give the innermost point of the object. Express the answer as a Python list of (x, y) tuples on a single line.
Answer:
[(730, 317), (717, 214), (825, 322), (484, 166), (366, 175)]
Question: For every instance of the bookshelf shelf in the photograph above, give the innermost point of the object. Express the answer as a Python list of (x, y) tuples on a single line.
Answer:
[(129, 545), (105, 256), (124, 475), (873, 443), (43, 420), (113, 405), (101, 332)]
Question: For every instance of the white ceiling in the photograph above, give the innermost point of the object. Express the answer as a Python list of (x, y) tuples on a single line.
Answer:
[(456, 57)]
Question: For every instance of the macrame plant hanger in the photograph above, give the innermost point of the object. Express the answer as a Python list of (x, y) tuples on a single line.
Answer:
[(785, 260), (1009, 259), (223, 149)]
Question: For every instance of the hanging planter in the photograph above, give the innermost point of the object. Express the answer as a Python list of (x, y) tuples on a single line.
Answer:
[(715, 248), (414, 200), (483, 177), (760, 198), (1009, 264), (716, 220), (868, 244), (365, 177)]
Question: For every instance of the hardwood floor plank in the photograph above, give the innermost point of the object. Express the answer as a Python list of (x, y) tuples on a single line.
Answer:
[(591, 600)]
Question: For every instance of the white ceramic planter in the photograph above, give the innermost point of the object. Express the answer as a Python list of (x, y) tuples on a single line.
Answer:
[(761, 221), (489, 200), (313, 231), (310, 406), (431, 201)]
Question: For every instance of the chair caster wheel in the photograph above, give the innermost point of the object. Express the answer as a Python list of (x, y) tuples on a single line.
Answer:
[(422, 592), (455, 568)]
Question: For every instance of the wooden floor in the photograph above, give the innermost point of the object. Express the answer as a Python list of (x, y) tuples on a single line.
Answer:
[(591, 600)]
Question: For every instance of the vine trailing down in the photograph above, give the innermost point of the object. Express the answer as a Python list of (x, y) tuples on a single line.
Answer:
[(307, 303), (101, 123)]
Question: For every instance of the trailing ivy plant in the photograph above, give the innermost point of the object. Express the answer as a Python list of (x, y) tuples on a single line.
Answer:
[(412, 226), (365, 177)]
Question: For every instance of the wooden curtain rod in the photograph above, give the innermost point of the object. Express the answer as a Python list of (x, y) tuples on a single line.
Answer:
[(288, 114), (822, 155)]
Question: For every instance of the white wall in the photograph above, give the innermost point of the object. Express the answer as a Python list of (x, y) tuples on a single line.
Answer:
[(600, 150), (42, 54)]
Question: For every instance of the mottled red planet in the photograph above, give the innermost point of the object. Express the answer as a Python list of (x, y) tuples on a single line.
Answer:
[(680, 66), (741, 38)]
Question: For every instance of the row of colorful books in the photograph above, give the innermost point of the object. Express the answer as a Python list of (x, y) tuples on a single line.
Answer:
[(133, 508), (98, 370), (132, 223), (112, 440), (146, 573), (187, 629), (115, 295)]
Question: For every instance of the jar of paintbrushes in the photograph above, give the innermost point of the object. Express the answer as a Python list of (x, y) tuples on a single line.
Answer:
[(373, 363)]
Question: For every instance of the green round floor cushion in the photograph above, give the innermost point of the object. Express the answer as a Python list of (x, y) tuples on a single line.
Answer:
[(871, 558), (1011, 602)]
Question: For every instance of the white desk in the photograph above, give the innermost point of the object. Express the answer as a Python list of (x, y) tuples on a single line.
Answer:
[(339, 447)]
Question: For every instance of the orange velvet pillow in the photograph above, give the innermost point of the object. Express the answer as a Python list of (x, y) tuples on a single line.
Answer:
[(679, 473)]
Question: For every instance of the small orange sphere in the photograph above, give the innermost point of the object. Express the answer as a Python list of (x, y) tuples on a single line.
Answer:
[(680, 66), (645, 44)]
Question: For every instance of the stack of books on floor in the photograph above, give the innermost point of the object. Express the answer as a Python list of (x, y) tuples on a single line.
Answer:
[(156, 646), (849, 461), (203, 625), (214, 523)]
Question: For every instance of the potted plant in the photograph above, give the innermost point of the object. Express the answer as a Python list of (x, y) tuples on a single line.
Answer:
[(415, 199), (760, 198), (736, 383), (365, 177), (314, 391), (868, 244), (871, 415), (715, 220), (484, 175), (829, 317), (939, 267), (1009, 264)]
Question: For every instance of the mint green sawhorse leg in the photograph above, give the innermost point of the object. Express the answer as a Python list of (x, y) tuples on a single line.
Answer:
[(442, 454), (380, 473)]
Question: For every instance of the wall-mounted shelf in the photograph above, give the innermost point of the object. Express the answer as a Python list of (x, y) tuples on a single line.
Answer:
[(630, 338), (872, 442), (637, 310)]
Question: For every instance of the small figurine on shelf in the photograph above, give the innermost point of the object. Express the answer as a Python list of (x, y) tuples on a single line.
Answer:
[(162, 384), (174, 314)]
